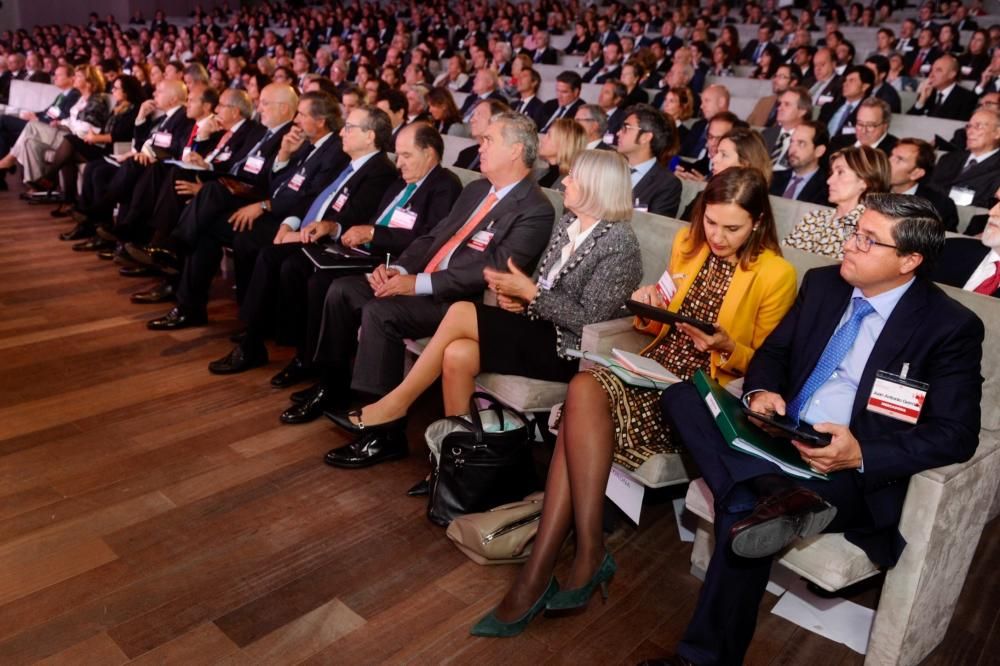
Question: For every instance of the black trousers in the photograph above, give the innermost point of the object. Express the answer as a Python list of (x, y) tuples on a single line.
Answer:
[(213, 202), (724, 620), (109, 185), (349, 304), (163, 219), (277, 297), (10, 128)]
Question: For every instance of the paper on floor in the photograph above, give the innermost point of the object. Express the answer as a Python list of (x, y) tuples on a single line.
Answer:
[(686, 521), (837, 619)]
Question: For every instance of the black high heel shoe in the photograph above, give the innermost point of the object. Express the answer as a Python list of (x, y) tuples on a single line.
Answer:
[(343, 419)]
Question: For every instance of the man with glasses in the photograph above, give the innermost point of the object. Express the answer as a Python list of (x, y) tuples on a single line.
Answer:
[(974, 264), (718, 127), (595, 123), (643, 137), (765, 112), (876, 321), (871, 128), (971, 176)]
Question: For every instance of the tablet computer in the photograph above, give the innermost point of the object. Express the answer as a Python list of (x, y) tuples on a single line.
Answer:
[(647, 311), (800, 431)]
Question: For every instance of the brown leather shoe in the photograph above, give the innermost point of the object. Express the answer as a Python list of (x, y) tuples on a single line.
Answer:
[(780, 519)]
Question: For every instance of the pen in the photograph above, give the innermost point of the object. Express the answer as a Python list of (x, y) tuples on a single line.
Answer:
[(386, 261)]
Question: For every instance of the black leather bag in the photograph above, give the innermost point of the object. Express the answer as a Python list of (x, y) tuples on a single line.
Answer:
[(485, 460)]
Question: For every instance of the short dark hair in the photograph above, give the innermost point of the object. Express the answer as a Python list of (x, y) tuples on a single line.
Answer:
[(325, 85), (208, 95), (821, 135), (326, 107), (661, 126), (918, 228), (425, 136), (880, 61), (925, 154), (571, 78), (377, 121), (794, 71), (731, 118), (395, 98)]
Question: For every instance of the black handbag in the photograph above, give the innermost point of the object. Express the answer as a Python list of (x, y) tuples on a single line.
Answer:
[(485, 460)]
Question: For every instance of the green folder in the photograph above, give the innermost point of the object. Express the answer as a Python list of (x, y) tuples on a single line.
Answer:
[(745, 436)]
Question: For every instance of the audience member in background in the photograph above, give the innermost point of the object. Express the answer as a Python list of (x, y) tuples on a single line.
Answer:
[(973, 264), (644, 138), (679, 105), (714, 100), (468, 158), (595, 125), (609, 67), (739, 147), (912, 165), (528, 103), (989, 79), (88, 114), (804, 180), (768, 64), (826, 87), (632, 74), (841, 114), (484, 87), (726, 268), (794, 107), (898, 78), (567, 101), (718, 127), (591, 265), (722, 62), (871, 128), (940, 96), (765, 111), (559, 147), (442, 109), (854, 172), (971, 176), (610, 100), (394, 103), (879, 65)]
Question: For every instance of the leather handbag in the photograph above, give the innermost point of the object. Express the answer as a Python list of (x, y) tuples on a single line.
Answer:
[(503, 535), (485, 460)]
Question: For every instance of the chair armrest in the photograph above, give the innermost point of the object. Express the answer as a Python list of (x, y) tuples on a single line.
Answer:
[(601, 337)]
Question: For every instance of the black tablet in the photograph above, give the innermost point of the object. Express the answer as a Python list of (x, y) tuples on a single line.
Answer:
[(803, 432), (667, 317)]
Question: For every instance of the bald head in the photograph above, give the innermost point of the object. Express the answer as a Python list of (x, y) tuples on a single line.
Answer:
[(278, 104), (175, 92)]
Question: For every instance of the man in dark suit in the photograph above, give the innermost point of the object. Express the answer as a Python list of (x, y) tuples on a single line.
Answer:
[(912, 166), (609, 67), (605, 35), (484, 86), (918, 61), (871, 128), (877, 311), (309, 158), (529, 105), (973, 264), (341, 207), (567, 101), (714, 100), (840, 114), (594, 122), (468, 158), (643, 137), (977, 168), (755, 47), (826, 87), (940, 95), (879, 65), (395, 105), (543, 53), (804, 179), (504, 216), (15, 72)]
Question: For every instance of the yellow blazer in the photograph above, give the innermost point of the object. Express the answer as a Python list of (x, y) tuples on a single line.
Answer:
[(757, 300)]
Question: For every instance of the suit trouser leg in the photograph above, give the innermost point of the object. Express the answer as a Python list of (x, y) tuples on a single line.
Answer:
[(385, 324), (265, 290), (141, 203), (200, 265), (724, 620), (340, 308), (10, 128), (166, 211), (293, 306), (247, 245), (212, 204)]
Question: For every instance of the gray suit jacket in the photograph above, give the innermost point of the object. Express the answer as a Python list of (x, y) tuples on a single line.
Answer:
[(593, 285), (521, 223)]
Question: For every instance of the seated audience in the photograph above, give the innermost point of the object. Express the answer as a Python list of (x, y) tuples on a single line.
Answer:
[(468, 158), (442, 110), (871, 128), (720, 125), (765, 111), (911, 167), (879, 66), (528, 103), (567, 101), (973, 264), (840, 114), (739, 147), (940, 96), (644, 139), (854, 172), (804, 179), (794, 107), (558, 148), (714, 100), (971, 176), (726, 268), (595, 126)]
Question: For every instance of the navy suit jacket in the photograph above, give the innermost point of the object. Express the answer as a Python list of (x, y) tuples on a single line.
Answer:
[(942, 342), (959, 261), (317, 172), (178, 126), (659, 190), (431, 202)]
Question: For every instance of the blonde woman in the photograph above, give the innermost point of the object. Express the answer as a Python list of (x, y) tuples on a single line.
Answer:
[(559, 147)]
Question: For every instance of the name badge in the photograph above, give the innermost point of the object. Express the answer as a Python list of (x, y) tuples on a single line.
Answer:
[(609, 138), (925, 69), (897, 397), (824, 99), (223, 157), (848, 129), (402, 218), (162, 139), (480, 240), (53, 112), (296, 182), (962, 196), (966, 70), (254, 164), (341, 200), (666, 286)]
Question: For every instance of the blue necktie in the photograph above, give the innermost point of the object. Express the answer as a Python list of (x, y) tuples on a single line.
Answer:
[(322, 202), (838, 119), (836, 349), (407, 193)]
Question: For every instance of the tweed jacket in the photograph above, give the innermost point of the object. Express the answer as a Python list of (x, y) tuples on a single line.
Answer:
[(592, 285)]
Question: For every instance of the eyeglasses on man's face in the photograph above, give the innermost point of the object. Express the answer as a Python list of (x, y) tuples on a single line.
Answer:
[(863, 241)]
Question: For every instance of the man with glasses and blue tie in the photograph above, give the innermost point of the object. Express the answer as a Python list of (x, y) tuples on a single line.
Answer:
[(871, 353)]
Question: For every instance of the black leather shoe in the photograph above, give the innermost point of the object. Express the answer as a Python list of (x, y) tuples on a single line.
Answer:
[(108, 234), (421, 488), (79, 232), (177, 319), (106, 255), (357, 426), (305, 395), (376, 445), (321, 400), (162, 292), (94, 244), (166, 260), (136, 271), (293, 373), (240, 359), (778, 520)]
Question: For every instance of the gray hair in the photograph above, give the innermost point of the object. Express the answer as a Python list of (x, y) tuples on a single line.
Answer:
[(918, 228), (881, 105), (517, 128), (241, 101), (601, 118)]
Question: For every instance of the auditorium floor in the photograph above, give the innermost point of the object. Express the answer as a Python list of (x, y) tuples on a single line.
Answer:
[(152, 511)]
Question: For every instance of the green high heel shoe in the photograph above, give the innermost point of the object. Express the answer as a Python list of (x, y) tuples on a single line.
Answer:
[(491, 627), (568, 601)]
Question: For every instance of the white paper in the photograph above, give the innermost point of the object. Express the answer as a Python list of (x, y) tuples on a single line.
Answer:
[(837, 619), (686, 521), (781, 579), (626, 492)]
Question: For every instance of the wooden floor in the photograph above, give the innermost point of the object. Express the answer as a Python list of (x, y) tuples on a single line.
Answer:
[(153, 512)]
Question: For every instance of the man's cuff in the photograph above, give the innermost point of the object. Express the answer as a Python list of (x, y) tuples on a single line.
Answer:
[(424, 286), (337, 231), (278, 166), (292, 222), (861, 468), (746, 396)]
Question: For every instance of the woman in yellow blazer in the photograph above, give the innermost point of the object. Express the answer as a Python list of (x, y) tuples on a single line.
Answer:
[(726, 268)]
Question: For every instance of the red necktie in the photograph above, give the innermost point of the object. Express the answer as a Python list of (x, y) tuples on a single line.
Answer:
[(194, 133), (917, 64), (460, 235), (990, 284)]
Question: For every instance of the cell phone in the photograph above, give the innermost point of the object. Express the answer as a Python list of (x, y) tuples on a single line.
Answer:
[(667, 317), (802, 432)]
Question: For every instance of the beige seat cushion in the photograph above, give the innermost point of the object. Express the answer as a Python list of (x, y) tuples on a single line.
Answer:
[(662, 469)]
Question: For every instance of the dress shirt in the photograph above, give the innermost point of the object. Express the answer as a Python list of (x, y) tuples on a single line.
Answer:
[(803, 179), (278, 166), (576, 238), (984, 271), (296, 222), (639, 171), (979, 158), (424, 286), (833, 401)]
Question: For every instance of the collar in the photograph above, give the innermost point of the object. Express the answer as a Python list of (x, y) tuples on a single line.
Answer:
[(643, 168), (947, 91), (593, 144), (804, 177), (171, 111), (275, 130), (503, 191), (913, 190), (983, 157), (319, 144), (237, 125), (885, 302), (359, 162)]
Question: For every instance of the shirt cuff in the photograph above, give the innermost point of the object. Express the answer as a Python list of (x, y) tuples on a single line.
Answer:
[(292, 222), (337, 231), (278, 166), (861, 469), (424, 286)]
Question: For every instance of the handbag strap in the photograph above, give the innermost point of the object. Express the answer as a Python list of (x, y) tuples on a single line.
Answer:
[(497, 407)]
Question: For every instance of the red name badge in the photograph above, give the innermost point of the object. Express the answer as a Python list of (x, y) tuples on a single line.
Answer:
[(480, 240), (897, 397)]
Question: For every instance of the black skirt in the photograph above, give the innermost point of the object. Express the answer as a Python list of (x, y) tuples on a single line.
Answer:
[(513, 344)]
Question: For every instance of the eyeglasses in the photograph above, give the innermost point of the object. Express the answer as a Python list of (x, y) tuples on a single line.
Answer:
[(628, 128), (864, 242), (868, 126), (349, 126)]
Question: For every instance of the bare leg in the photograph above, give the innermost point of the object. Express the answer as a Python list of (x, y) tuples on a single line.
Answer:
[(459, 369), (459, 323), (574, 495)]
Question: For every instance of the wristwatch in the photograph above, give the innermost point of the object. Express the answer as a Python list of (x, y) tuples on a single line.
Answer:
[(265, 206)]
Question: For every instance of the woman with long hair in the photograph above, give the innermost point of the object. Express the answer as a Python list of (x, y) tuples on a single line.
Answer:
[(559, 148)]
